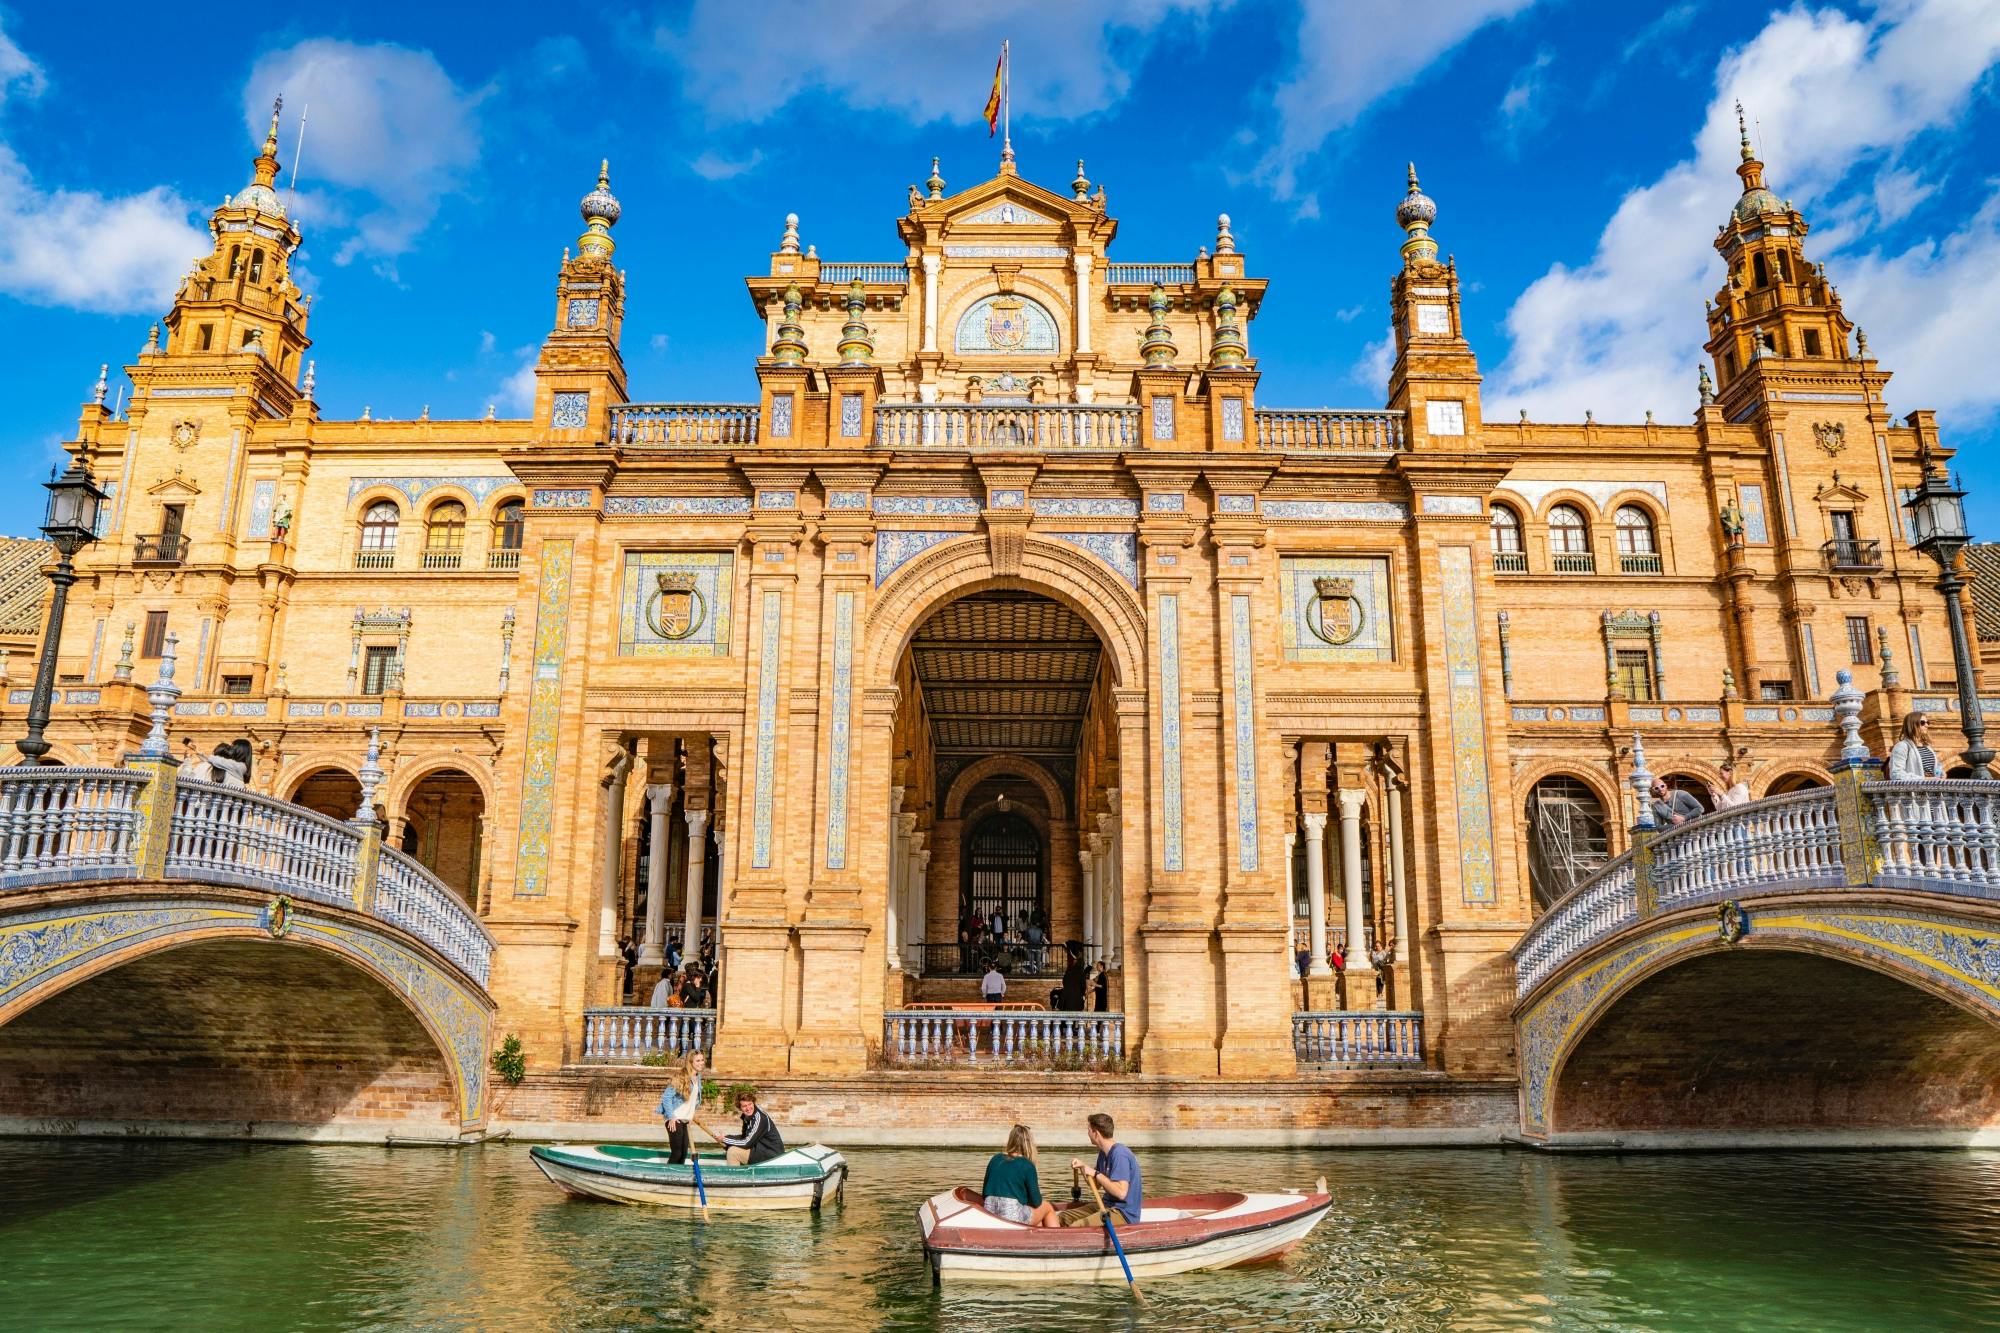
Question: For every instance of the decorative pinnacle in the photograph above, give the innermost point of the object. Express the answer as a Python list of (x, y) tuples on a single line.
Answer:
[(161, 695), (123, 670), (789, 347), (312, 378), (600, 211), (1847, 713), (1080, 187), (267, 157), (935, 183), (1225, 244), (789, 245), (1743, 133), (1860, 343), (1158, 349), (1642, 783), (1229, 349), (97, 393), (856, 346), (1415, 215), (152, 340), (371, 777), (1707, 384)]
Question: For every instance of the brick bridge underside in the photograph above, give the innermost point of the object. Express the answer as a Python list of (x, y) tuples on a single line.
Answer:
[(1873, 1017), (183, 1008)]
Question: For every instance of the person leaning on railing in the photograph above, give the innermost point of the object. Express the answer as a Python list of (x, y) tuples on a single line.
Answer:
[(1734, 791), (1913, 759)]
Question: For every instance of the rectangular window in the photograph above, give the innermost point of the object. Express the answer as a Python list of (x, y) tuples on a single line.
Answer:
[(1785, 265), (380, 665), (1843, 525), (155, 641), (236, 684), (1760, 272), (1860, 642), (1773, 690), (204, 338), (1635, 673), (1812, 342)]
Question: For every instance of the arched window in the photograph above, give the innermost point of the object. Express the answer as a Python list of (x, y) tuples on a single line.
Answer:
[(378, 536), (256, 266), (1569, 541), (1637, 552), (507, 529), (1508, 555), (1566, 837), (444, 536)]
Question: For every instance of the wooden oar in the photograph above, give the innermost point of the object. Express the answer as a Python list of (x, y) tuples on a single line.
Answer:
[(1112, 1230), (700, 1190)]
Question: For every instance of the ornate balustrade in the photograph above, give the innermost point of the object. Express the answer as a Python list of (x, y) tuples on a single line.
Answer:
[(1166, 275), (1935, 837), (1358, 1037), (843, 273), (1027, 1039), (65, 825), (666, 424), (1005, 426), (1327, 429), (628, 1035)]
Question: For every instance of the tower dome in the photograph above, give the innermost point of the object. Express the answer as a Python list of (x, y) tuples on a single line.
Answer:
[(600, 210), (1417, 207), (259, 194)]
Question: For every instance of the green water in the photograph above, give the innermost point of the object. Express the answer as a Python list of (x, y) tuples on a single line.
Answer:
[(215, 1237)]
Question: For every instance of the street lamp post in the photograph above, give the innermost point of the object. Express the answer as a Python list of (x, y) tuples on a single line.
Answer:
[(1937, 513), (70, 525)]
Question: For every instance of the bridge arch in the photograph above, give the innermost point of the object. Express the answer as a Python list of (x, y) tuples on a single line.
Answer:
[(223, 1007)]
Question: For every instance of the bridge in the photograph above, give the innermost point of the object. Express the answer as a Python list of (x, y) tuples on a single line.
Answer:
[(1825, 962), (182, 957)]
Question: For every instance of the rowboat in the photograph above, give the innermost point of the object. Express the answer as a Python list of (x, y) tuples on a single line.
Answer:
[(1181, 1234), (625, 1173)]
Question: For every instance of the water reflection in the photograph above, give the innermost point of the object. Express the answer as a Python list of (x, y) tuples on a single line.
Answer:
[(104, 1235)]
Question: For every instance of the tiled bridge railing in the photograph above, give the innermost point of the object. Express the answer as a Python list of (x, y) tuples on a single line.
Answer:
[(1933, 837), (61, 825)]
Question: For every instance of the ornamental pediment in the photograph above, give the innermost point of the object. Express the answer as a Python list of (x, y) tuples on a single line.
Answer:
[(176, 485)]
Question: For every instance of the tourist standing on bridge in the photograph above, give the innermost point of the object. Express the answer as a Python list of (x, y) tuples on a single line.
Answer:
[(1673, 806), (1734, 792), (1913, 759)]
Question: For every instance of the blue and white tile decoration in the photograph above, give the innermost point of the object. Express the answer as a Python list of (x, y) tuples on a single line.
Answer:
[(1462, 506), (928, 506), (1170, 728), (1371, 511), (1120, 550), (263, 496), (1377, 640), (563, 499), (847, 499), (656, 505), (1166, 502), (1078, 507), (843, 708), (893, 550), (1232, 420), (715, 580), (1243, 686), (1009, 499), (1750, 499), (850, 416), (569, 411), (1235, 504), (781, 416), (777, 499), (767, 727), (1163, 417), (413, 488), (1476, 880)]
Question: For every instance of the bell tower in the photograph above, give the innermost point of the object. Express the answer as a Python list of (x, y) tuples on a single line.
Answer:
[(240, 299), (1775, 306), (581, 372), (1435, 380)]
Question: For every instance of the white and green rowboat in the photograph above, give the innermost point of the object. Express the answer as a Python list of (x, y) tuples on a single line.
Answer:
[(626, 1173)]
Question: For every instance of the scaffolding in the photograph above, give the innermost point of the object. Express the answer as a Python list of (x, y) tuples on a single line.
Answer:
[(1566, 838)]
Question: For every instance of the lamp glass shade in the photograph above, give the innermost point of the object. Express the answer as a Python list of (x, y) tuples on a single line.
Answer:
[(74, 499), (1937, 513)]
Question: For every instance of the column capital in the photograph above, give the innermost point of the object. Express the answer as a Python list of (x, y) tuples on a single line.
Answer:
[(1081, 263), (933, 263), (1315, 822), (697, 820), (895, 801), (906, 824), (660, 795), (923, 860), (1352, 801)]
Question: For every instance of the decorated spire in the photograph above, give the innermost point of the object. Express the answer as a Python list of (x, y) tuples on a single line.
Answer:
[(1415, 215), (600, 213), (1707, 385), (97, 392), (266, 165), (934, 182), (152, 340), (1158, 349), (789, 245), (1743, 134), (1225, 242), (1080, 187), (1229, 350), (789, 348), (856, 345), (312, 368)]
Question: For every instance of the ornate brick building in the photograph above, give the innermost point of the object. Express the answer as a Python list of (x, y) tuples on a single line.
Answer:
[(1008, 594)]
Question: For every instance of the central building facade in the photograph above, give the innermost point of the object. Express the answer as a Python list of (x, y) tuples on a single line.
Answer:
[(1008, 596)]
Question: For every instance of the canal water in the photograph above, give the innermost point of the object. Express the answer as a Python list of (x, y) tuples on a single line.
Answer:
[(217, 1237)]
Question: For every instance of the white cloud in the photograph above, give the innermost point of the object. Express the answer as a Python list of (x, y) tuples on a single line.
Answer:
[(80, 248), (658, 342), (1352, 54), (386, 125), (713, 166), (1378, 358), (1837, 99), (517, 392), (1523, 109), (916, 59), (486, 342)]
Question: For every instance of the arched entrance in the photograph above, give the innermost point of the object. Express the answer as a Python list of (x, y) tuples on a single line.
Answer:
[(1567, 837), (333, 792), (1005, 878), (442, 823)]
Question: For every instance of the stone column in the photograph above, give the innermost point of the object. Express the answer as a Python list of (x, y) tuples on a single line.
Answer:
[(697, 863), (1315, 822), (1398, 885), (614, 855), (1086, 891), (1116, 827), (653, 951), (893, 890), (932, 263), (920, 862), (1291, 898), (1082, 265), (1107, 918), (1360, 971), (899, 889)]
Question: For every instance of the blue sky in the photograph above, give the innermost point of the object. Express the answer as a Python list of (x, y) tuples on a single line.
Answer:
[(1581, 155)]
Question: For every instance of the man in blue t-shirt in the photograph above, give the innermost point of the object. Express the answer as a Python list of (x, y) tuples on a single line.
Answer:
[(1116, 1174)]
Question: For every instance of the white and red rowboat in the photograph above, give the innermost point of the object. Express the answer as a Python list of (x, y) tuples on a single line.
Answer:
[(1182, 1234)]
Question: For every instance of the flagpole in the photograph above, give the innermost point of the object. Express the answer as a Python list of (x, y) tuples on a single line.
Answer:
[(1006, 100)]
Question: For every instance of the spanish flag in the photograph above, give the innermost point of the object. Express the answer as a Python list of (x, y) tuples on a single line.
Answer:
[(993, 98)]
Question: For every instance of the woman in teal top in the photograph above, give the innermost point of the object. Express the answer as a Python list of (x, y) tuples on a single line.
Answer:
[(1013, 1191)]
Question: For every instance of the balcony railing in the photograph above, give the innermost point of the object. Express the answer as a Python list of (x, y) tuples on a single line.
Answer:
[(57, 823), (1335, 1039), (1852, 555), (1510, 562), (629, 1035), (1027, 1039), (1573, 562), (843, 273), (1005, 426), (375, 559), (160, 548), (506, 557), (1640, 562), (1328, 428), (684, 423), (450, 558), (1017, 961), (1166, 275)]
